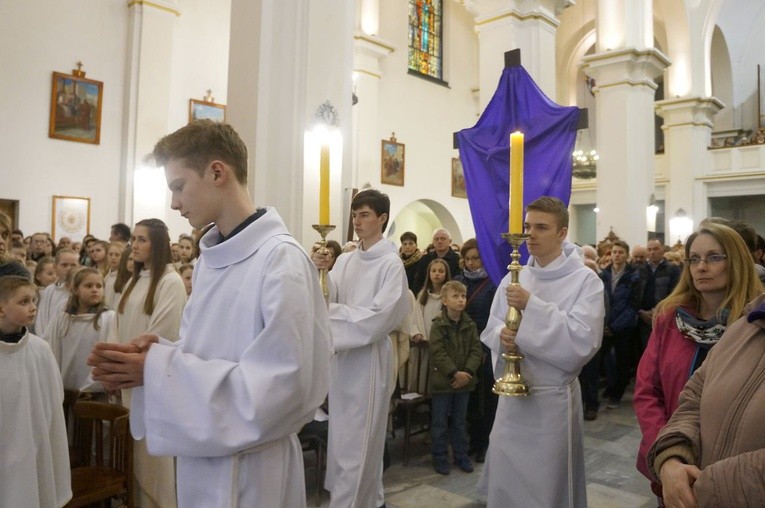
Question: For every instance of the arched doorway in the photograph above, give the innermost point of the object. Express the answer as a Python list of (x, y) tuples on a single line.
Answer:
[(421, 217)]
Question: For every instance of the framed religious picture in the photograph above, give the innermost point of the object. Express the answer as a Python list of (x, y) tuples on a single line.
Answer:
[(206, 109), (70, 217), (75, 107), (392, 164), (458, 179)]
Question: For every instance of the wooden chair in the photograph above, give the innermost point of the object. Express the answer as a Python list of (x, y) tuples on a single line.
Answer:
[(108, 470), (414, 402), (70, 399), (313, 438)]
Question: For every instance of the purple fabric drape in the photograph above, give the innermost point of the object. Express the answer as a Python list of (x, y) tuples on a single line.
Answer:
[(549, 131)]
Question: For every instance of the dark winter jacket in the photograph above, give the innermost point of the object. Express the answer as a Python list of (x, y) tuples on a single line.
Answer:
[(624, 300), (453, 349)]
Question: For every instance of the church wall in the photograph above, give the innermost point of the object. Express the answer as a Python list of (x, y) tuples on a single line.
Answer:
[(424, 115), (37, 38), (200, 62), (36, 167)]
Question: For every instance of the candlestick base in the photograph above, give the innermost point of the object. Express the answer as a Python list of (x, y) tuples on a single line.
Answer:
[(324, 230), (512, 382)]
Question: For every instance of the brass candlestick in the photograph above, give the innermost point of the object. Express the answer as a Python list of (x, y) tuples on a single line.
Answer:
[(323, 230), (512, 383)]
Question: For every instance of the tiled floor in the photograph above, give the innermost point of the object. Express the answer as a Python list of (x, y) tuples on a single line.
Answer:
[(611, 444)]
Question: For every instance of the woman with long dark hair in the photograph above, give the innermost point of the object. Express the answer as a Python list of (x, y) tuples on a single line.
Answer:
[(152, 302)]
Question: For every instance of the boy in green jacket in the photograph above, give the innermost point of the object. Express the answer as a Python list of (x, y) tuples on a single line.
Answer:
[(455, 356)]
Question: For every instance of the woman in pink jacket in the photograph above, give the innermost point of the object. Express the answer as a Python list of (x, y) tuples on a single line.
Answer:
[(717, 281)]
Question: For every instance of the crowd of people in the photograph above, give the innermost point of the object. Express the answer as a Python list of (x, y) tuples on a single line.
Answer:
[(220, 380)]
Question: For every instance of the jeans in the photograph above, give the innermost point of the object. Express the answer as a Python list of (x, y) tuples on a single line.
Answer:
[(448, 412), (589, 378)]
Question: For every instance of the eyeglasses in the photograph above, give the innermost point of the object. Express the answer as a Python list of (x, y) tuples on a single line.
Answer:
[(712, 259)]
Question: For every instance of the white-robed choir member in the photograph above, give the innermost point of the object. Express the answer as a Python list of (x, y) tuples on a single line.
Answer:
[(152, 302), (536, 451), (53, 298), (34, 455), (368, 301), (85, 321), (252, 364)]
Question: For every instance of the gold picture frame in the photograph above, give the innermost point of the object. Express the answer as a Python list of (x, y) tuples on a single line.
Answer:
[(70, 216), (458, 179), (205, 109), (75, 107), (392, 161)]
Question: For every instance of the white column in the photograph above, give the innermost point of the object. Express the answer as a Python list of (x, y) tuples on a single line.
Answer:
[(285, 60), (624, 70), (150, 45), (266, 98), (530, 25), (687, 131)]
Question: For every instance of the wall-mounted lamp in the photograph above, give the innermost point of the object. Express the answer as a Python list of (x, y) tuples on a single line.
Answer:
[(650, 213), (680, 226)]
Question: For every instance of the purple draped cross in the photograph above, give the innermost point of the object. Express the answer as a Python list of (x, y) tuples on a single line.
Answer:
[(549, 131)]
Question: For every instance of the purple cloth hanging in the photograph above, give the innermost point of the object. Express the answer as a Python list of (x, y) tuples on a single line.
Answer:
[(549, 134)]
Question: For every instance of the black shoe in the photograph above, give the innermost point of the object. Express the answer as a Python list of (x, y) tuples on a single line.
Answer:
[(590, 414), (480, 456), (464, 464), (441, 466)]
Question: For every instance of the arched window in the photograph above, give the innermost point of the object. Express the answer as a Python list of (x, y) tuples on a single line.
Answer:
[(425, 41)]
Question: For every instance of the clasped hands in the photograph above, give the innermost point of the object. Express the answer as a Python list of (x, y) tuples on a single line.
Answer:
[(120, 366), (677, 481), (460, 379)]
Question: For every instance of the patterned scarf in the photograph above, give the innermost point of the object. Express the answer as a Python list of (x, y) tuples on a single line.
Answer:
[(475, 274), (411, 259), (704, 333)]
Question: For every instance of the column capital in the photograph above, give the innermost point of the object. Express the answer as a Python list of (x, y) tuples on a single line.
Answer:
[(368, 52), (693, 111), (169, 6), (627, 66), (511, 16)]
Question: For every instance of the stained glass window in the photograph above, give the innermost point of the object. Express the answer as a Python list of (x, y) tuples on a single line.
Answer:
[(425, 41)]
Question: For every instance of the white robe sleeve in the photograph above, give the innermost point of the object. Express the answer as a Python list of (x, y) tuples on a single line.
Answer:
[(564, 338), (211, 408), (359, 326), (560, 337), (53, 337)]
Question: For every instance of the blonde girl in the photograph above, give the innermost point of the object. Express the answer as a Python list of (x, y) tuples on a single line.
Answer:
[(97, 253), (85, 321), (113, 257), (429, 299), (123, 275), (45, 272), (187, 251), (186, 271)]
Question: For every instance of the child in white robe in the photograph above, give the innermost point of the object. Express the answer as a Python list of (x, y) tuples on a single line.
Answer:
[(85, 321), (53, 298), (34, 456)]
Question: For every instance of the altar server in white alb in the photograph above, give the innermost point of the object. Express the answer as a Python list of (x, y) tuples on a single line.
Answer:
[(369, 299), (54, 297), (536, 452), (34, 456), (252, 363)]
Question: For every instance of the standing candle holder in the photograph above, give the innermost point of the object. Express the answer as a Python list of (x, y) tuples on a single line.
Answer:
[(324, 230), (512, 383)]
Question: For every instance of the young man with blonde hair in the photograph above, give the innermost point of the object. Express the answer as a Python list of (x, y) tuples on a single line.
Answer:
[(536, 456)]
